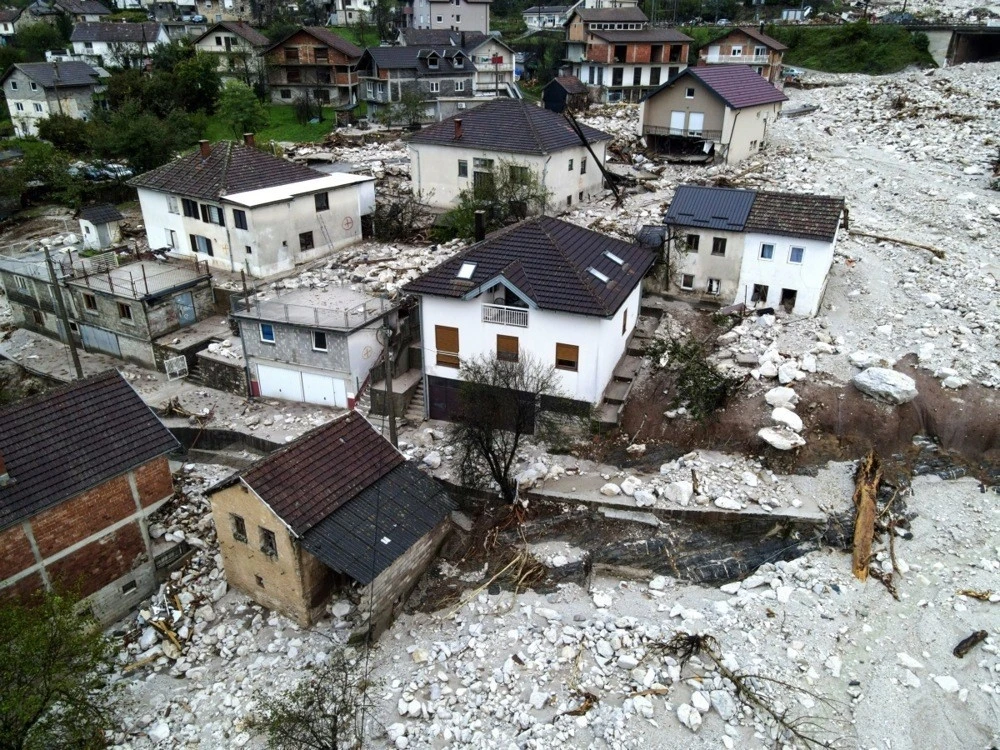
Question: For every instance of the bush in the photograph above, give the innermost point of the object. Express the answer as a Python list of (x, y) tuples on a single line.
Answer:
[(699, 386), (854, 47)]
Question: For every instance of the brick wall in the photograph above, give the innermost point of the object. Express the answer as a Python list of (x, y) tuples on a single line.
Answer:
[(153, 481), (15, 552), (22, 589), (91, 567), (69, 522)]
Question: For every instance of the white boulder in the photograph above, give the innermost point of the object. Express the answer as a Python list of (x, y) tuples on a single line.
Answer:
[(788, 418), (782, 439), (886, 385), (782, 396)]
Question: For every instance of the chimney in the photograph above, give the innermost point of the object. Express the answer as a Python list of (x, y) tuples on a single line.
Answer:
[(206, 149), (480, 226), (761, 27), (248, 140), (458, 128)]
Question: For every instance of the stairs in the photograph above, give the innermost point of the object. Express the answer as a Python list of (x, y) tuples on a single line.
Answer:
[(415, 409), (195, 376), (364, 404)]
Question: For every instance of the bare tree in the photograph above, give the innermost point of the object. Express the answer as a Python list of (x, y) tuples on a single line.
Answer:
[(500, 402), (508, 192)]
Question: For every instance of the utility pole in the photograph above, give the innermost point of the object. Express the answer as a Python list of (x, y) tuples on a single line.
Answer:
[(389, 362), (61, 307)]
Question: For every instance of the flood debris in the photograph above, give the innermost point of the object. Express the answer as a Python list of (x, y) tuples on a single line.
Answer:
[(967, 644), (866, 490)]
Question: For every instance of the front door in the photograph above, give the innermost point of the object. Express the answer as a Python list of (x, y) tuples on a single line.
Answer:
[(103, 235), (185, 308)]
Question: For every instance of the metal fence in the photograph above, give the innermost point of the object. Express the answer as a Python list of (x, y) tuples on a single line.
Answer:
[(138, 282), (315, 317)]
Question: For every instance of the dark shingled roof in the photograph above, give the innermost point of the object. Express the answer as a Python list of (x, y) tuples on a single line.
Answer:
[(611, 15), (9, 15), (230, 168), (738, 86), (72, 439), (415, 58), (327, 37), (242, 29), (70, 73), (760, 36), (83, 7), (643, 35), (135, 33), (710, 207), (543, 9), (796, 215), (570, 84), (101, 214), (509, 125), (548, 260)]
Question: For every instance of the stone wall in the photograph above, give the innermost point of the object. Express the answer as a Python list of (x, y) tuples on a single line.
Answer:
[(228, 376)]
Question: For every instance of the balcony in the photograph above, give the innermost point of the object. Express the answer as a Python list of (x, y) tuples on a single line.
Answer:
[(502, 315), (738, 59), (708, 135)]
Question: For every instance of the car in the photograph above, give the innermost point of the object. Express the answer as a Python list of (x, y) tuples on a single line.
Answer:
[(198, 19), (722, 22), (116, 172), (788, 71)]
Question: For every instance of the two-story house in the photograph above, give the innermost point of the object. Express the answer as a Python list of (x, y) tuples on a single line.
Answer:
[(616, 50), (452, 15), (461, 152), (493, 58), (566, 295), (118, 45), (35, 91), (313, 62), (78, 11), (312, 345), (236, 207), (746, 46), (350, 12), (758, 248), (238, 46), (721, 112), (539, 17), (8, 24)]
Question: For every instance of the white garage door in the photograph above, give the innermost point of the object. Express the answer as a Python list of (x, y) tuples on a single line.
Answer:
[(293, 385), (276, 382), (320, 389)]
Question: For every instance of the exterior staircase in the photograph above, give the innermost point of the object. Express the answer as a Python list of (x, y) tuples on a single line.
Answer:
[(415, 409), (195, 375), (609, 412), (364, 403)]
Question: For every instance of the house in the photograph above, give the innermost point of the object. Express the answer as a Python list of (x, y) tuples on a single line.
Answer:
[(82, 469), (35, 91), (762, 249), (746, 46), (312, 346), (78, 11), (100, 226), (460, 152), (453, 15), (617, 51), (236, 207), (565, 92), (120, 45), (565, 295), (350, 12), (238, 46), (721, 111), (8, 24), (313, 62), (337, 510), (546, 16), (494, 59)]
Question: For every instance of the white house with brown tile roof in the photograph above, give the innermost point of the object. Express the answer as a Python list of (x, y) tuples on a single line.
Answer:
[(120, 45), (746, 46), (237, 207), (238, 46)]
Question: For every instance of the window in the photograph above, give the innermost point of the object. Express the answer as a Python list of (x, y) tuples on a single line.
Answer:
[(570, 165), (201, 244), (22, 283), (18, 106), (286, 93), (718, 246), (766, 251), (369, 89), (482, 164), (466, 271), (172, 205), (459, 85), (637, 77), (129, 587), (267, 333), (737, 51), (239, 218), (34, 86), (759, 293), (458, 62), (598, 275), (319, 341), (613, 258), (691, 244), (432, 62), (90, 302), (796, 255), (714, 286), (38, 318), (268, 544), (579, 197), (291, 54), (125, 312), (172, 238), (654, 76), (583, 165), (689, 93), (306, 241), (218, 41), (624, 322), (463, 168), (13, 85), (687, 281), (440, 19), (759, 51), (190, 208), (446, 341), (520, 175), (567, 357), (38, 107), (212, 215), (74, 327), (569, 200), (322, 54), (293, 76), (239, 527), (322, 202), (507, 348), (248, 249), (435, 87)]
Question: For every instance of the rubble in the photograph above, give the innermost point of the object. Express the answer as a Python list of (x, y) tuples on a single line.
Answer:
[(886, 385)]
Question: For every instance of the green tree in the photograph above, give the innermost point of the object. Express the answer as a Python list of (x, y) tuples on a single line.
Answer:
[(37, 38), (509, 192), (143, 139), (54, 668), (66, 133), (240, 108), (166, 57), (198, 83)]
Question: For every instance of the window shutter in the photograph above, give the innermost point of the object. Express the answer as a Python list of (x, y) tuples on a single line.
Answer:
[(567, 356), (204, 213), (446, 342), (507, 348)]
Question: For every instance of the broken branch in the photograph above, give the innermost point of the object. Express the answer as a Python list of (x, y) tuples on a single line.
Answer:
[(936, 252), (865, 490), (967, 644)]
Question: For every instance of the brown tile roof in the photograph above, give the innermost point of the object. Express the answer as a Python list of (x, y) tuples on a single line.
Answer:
[(651, 36), (9, 15), (310, 478), (327, 37), (230, 168), (548, 260), (74, 438), (82, 7), (760, 36), (571, 84), (611, 15), (242, 29), (796, 215), (508, 126)]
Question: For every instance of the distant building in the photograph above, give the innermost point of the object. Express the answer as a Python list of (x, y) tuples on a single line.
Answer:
[(546, 16), (8, 24), (36, 91), (79, 11), (565, 92), (313, 63), (746, 46), (238, 47), (452, 15), (121, 45), (493, 58), (100, 226)]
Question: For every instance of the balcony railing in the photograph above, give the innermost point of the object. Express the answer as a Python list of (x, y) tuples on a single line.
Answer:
[(708, 135), (738, 59), (503, 315)]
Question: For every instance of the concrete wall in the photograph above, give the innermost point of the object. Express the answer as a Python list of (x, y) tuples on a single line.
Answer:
[(703, 265), (656, 110), (745, 130), (462, 17), (294, 345), (807, 278), (223, 375)]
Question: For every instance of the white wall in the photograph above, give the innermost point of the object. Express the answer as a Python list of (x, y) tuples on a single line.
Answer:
[(703, 265), (599, 74), (745, 130), (363, 351), (807, 278)]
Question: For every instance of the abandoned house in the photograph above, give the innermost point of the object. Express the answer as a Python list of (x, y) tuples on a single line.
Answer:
[(238, 47), (100, 226), (715, 112), (565, 93), (237, 208), (313, 64), (82, 468), (76, 11), (746, 46), (312, 345), (567, 296), (462, 152), (761, 249), (546, 16), (337, 511), (615, 50), (120, 45), (8, 22), (36, 91)]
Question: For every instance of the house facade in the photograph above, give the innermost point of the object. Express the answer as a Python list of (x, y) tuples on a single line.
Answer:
[(451, 15), (565, 92), (36, 91), (235, 207), (338, 510), (539, 17), (761, 249), (312, 346), (493, 59), (313, 63), (387, 73), (462, 151), (82, 469), (8, 24), (721, 111), (119, 45), (238, 47), (100, 226), (350, 12), (746, 46), (567, 296), (615, 50)]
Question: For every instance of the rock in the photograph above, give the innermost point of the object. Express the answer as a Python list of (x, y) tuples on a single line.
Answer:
[(701, 701), (149, 638), (865, 359), (643, 706), (658, 583), (341, 609), (808, 363), (947, 683), (908, 661), (689, 716), (788, 418), (538, 699), (627, 661), (604, 649), (644, 498), (636, 449), (420, 656), (727, 503), (602, 601), (954, 382), (630, 485), (723, 703), (768, 370), (781, 439), (750, 479), (782, 396), (788, 373), (611, 489), (219, 590), (205, 612), (432, 460), (886, 385), (413, 709), (159, 731), (834, 664), (680, 492), (910, 679)]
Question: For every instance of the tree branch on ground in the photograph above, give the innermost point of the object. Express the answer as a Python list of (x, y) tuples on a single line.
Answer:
[(400, 215)]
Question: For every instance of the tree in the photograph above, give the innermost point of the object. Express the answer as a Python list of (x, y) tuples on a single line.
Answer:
[(55, 672), (37, 38), (240, 108), (65, 133), (409, 110), (500, 402), (143, 138), (323, 712), (509, 192), (198, 83)]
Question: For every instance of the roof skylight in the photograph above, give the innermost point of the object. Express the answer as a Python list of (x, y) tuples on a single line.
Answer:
[(599, 275), (614, 257), (466, 271)]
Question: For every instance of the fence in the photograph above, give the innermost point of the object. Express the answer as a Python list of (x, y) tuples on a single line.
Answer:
[(137, 282), (316, 317)]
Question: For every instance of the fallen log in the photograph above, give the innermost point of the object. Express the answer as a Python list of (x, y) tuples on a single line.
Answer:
[(935, 251), (967, 644), (865, 491)]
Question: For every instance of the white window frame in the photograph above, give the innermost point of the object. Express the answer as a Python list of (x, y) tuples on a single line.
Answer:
[(717, 284), (369, 88), (435, 87), (263, 338), (791, 252), (326, 341), (18, 107), (459, 85), (689, 92), (34, 86), (690, 286), (172, 205), (736, 51), (38, 107), (13, 85), (761, 254)]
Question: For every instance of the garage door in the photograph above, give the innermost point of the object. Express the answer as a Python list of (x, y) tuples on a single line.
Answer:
[(321, 389), (276, 382), (293, 385), (99, 340)]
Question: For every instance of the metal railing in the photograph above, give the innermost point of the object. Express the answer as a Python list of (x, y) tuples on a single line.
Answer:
[(314, 317), (738, 59), (505, 316), (708, 135), (137, 282)]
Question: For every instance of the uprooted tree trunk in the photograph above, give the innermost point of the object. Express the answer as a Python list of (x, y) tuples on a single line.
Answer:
[(865, 492)]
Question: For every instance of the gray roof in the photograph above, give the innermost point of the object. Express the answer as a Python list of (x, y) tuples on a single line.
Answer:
[(69, 73), (611, 15), (82, 7), (9, 15), (509, 126), (116, 32), (543, 9), (415, 58), (242, 29), (101, 214), (710, 207), (643, 35)]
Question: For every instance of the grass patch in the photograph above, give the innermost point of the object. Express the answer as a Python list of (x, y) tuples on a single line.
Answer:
[(351, 34), (854, 48), (282, 126)]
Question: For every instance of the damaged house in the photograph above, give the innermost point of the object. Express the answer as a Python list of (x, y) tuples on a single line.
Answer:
[(746, 46), (337, 511), (313, 64)]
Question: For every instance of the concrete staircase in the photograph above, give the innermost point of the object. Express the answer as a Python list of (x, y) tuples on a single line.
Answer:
[(415, 409), (364, 404), (609, 412), (195, 376)]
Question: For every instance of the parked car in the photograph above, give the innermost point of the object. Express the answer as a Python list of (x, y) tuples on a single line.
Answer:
[(722, 22), (198, 19)]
